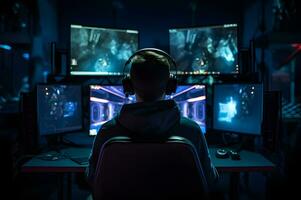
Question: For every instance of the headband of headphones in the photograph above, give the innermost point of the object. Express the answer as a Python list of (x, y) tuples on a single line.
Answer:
[(172, 82), (171, 61)]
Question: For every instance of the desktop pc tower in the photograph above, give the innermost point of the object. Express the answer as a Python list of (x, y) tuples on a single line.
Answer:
[(272, 120), (29, 134)]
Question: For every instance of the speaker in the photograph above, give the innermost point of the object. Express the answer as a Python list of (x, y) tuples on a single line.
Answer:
[(63, 64), (245, 61), (272, 120), (29, 133), (53, 60)]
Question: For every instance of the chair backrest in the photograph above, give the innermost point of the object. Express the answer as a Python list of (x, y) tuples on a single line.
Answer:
[(149, 170)]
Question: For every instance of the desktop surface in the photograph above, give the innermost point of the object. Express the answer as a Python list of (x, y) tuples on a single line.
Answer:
[(250, 161), (38, 164)]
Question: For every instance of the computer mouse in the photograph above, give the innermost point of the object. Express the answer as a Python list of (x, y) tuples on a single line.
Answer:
[(49, 157), (55, 158), (234, 155), (222, 153)]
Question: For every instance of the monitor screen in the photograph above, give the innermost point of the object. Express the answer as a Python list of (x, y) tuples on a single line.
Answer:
[(100, 51), (238, 108), (59, 108), (106, 102), (205, 50)]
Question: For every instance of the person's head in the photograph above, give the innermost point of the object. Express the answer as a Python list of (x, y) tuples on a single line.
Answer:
[(150, 75)]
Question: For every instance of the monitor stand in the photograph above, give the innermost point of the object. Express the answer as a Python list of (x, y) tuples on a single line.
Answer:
[(236, 141), (51, 150), (55, 143), (78, 139)]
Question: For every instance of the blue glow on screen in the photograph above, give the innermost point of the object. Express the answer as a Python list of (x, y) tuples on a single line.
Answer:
[(107, 101), (5, 47), (238, 108), (100, 51), (227, 111), (26, 56), (59, 108), (205, 50)]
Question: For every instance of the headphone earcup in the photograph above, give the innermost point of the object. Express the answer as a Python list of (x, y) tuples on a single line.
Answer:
[(171, 86), (127, 86)]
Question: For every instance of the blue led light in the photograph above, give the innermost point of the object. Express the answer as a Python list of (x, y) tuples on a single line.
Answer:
[(227, 111), (26, 56), (5, 47)]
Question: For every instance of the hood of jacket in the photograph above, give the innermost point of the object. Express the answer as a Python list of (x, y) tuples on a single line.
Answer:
[(150, 119)]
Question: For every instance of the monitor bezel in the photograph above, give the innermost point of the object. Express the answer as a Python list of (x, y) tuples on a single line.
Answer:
[(62, 131), (211, 26), (190, 84), (216, 130), (69, 71)]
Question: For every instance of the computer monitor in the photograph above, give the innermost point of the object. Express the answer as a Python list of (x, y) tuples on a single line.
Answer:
[(106, 102), (191, 100), (59, 108), (238, 108), (100, 51), (205, 50)]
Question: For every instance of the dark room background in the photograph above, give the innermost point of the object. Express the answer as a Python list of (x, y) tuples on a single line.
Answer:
[(28, 27), (269, 44)]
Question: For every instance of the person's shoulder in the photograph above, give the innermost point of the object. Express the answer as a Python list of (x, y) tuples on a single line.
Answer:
[(108, 127), (109, 124), (189, 124)]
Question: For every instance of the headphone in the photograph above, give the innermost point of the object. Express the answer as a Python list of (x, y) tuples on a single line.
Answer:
[(171, 86)]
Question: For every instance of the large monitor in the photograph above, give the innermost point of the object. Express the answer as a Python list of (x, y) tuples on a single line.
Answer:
[(238, 108), (59, 108), (106, 102), (205, 50), (100, 51)]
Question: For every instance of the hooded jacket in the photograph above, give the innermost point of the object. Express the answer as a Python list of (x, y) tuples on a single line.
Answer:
[(153, 121)]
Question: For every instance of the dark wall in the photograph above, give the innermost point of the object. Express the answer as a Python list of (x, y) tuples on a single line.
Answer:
[(151, 18)]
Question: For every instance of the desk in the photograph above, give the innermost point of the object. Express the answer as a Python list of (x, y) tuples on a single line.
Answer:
[(63, 166), (250, 162)]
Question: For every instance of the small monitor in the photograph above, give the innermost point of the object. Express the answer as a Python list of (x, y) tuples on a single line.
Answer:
[(238, 108), (106, 102), (205, 50), (59, 108), (100, 51)]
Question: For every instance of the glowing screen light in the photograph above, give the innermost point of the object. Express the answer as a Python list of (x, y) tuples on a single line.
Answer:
[(227, 111), (205, 50), (238, 108), (100, 51), (5, 47), (59, 108), (107, 101)]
